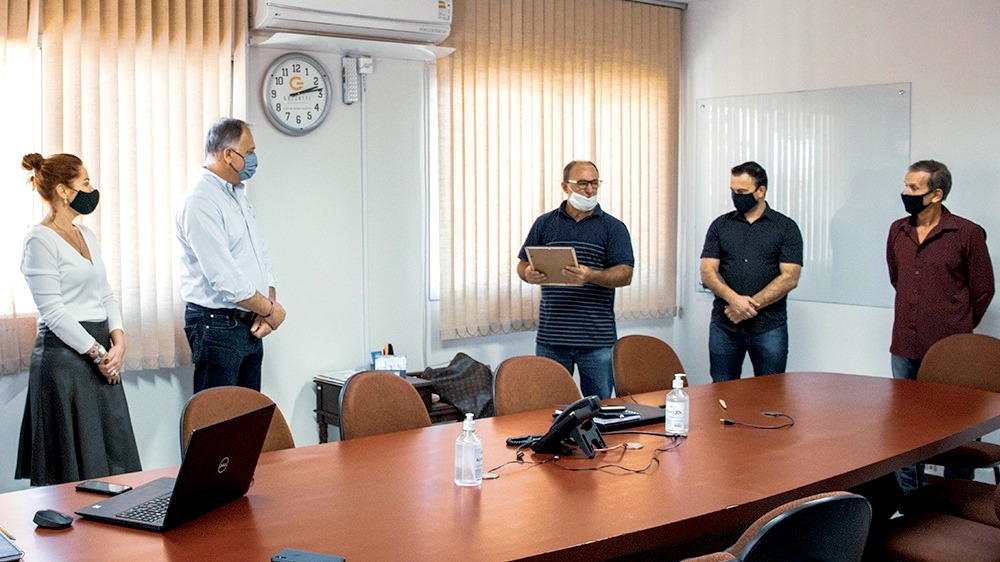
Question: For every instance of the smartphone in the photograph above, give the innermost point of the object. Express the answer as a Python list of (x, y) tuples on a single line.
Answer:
[(106, 488), (292, 555)]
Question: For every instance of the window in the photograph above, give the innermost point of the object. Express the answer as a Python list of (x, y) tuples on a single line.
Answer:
[(531, 86), (131, 88)]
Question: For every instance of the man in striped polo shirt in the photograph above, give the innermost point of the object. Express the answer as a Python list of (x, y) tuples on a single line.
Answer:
[(576, 324)]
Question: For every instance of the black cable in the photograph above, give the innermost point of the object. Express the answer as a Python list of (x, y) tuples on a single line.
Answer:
[(676, 442), (606, 467), (789, 423)]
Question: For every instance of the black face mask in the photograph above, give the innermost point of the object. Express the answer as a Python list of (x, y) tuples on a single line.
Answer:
[(744, 202), (914, 204), (85, 201)]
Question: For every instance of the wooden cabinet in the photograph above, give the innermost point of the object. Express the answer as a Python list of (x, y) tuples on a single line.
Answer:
[(328, 404)]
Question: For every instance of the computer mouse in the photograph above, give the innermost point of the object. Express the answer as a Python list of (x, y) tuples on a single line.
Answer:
[(52, 519)]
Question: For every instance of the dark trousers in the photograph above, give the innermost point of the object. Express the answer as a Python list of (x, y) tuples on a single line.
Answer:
[(223, 350), (726, 349)]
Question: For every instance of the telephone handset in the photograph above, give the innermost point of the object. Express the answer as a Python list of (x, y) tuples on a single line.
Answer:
[(573, 426)]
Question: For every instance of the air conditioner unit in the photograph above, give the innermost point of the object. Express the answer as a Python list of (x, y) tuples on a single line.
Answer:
[(410, 21)]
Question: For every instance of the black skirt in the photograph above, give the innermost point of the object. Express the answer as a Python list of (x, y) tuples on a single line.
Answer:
[(76, 426)]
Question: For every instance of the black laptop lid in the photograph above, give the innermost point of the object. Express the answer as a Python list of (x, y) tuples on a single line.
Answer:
[(218, 466)]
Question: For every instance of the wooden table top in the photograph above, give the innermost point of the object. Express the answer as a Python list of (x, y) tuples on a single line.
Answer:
[(391, 497)]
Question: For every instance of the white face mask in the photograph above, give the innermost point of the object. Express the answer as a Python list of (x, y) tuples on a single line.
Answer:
[(582, 203)]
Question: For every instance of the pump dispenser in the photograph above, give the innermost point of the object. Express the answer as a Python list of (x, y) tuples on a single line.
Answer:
[(678, 408), (468, 455)]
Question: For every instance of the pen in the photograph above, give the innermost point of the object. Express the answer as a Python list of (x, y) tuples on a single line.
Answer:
[(723, 404), (6, 532)]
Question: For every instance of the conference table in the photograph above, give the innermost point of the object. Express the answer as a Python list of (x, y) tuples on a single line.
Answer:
[(392, 497)]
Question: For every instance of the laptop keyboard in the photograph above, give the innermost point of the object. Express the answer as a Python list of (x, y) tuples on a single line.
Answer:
[(148, 511)]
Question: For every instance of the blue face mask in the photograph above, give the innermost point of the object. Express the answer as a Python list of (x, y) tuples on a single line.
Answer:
[(249, 166)]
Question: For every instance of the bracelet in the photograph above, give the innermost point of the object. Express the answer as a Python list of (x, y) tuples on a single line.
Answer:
[(100, 351), (269, 312)]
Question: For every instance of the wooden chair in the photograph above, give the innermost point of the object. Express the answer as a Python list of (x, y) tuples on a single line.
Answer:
[(644, 364), (926, 536), (529, 383), (830, 527), (223, 402), (377, 402), (971, 360)]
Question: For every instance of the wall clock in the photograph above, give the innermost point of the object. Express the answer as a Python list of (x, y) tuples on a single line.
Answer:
[(296, 93)]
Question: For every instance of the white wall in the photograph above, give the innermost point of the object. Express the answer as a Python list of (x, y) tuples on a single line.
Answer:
[(765, 46)]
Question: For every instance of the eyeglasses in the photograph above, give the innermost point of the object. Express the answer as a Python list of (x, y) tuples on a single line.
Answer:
[(584, 184)]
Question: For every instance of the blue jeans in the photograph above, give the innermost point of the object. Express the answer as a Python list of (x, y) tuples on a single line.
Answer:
[(595, 363), (912, 477), (726, 350), (223, 350), (904, 368)]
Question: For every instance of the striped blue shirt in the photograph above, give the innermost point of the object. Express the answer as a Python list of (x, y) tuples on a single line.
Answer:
[(580, 316)]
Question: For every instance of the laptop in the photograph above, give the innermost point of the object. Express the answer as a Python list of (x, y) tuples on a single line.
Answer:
[(217, 469), (634, 415)]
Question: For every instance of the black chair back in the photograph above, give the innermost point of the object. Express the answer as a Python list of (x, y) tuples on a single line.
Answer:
[(829, 529)]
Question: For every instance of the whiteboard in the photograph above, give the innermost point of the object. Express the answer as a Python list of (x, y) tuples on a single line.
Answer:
[(835, 161)]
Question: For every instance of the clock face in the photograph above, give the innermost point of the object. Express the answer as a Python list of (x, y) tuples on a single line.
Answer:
[(296, 93)]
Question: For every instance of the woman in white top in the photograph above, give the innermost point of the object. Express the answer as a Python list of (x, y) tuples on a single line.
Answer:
[(76, 422)]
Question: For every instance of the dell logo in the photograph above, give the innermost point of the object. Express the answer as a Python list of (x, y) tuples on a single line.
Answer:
[(223, 464)]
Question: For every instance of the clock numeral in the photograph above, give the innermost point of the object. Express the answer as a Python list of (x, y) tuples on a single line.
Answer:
[(274, 94), (277, 106), (296, 67), (309, 115), (280, 81), (316, 107), (288, 115), (316, 81), (298, 119), (284, 72)]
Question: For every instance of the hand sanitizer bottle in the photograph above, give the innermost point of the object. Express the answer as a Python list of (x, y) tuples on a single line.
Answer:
[(468, 455), (677, 408)]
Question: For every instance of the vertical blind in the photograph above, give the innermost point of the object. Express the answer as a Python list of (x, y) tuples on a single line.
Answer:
[(531, 86), (130, 87)]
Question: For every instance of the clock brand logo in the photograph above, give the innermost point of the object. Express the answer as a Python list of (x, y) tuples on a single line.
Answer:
[(295, 82)]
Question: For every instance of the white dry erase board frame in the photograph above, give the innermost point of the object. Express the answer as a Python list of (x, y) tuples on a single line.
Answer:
[(835, 162), (550, 260)]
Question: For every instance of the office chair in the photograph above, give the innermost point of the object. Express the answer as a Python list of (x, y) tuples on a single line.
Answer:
[(937, 537), (644, 364), (971, 360), (968, 499), (830, 527), (377, 402), (529, 383), (223, 402), (713, 557)]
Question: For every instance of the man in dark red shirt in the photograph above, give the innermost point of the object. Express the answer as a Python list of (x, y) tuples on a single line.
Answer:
[(940, 267)]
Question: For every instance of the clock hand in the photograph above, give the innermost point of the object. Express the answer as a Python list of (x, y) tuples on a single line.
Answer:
[(306, 91)]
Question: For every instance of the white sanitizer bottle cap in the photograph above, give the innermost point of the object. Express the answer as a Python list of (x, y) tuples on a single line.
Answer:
[(678, 381), (469, 424)]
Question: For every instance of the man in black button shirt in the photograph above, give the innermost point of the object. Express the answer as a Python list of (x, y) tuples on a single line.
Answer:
[(751, 260)]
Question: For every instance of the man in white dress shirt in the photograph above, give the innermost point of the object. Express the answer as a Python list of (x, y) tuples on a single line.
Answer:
[(226, 278)]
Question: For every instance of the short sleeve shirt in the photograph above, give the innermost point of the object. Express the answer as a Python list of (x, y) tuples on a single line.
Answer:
[(749, 258), (580, 316)]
